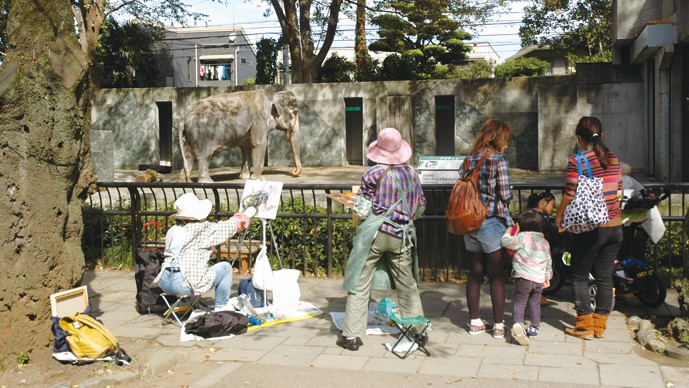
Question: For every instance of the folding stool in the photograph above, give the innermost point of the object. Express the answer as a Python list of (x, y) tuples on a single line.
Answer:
[(180, 308), (405, 325)]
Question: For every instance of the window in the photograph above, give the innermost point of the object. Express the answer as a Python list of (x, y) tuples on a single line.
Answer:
[(245, 61), (215, 70)]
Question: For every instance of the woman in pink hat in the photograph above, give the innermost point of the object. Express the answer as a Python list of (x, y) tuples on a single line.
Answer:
[(390, 198), (188, 247)]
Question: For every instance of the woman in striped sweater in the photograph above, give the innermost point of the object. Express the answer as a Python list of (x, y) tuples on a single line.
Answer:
[(595, 251)]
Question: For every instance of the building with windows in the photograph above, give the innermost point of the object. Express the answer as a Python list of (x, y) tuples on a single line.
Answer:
[(206, 56)]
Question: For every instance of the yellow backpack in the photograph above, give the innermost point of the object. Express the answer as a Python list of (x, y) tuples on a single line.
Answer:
[(88, 338)]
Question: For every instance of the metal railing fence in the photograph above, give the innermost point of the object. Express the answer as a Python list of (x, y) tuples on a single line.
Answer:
[(313, 233)]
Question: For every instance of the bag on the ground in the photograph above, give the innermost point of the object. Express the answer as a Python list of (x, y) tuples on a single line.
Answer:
[(218, 324), (148, 299), (87, 337), (465, 210), (246, 287), (285, 287), (587, 210)]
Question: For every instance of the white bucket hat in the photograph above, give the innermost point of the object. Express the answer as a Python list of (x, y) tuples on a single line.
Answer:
[(389, 148), (189, 207)]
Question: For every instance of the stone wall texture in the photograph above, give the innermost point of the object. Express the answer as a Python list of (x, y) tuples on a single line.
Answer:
[(541, 111)]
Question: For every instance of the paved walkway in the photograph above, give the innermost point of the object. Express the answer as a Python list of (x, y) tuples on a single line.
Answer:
[(304, 353)]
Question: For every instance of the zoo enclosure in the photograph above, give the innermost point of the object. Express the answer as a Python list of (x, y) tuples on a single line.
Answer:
[(313, 233)]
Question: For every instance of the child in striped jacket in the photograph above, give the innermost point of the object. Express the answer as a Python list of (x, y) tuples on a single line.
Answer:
[(532, 267)]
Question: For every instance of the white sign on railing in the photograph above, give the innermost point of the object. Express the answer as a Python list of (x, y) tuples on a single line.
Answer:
[(439, 169)]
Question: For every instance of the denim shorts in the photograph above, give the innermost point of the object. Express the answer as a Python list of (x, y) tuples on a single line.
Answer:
[(487, 238)]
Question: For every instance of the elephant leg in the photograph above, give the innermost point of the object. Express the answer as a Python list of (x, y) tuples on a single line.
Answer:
[(245, 172), (258, 154), (204, 175)]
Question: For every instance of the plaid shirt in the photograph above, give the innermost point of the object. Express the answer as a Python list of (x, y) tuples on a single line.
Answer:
[(200, 238), (387, 193), (494, 184)]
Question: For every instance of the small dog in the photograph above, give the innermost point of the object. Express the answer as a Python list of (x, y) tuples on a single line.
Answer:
[(148, 176)]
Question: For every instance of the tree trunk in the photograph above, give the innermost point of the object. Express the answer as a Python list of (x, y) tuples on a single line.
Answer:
[(45, 170), (295, 23), (360, 49)]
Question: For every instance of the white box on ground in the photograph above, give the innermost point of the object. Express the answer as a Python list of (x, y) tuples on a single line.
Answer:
[(439, 169)]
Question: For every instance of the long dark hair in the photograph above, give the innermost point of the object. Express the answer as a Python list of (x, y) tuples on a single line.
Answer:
[(590, 129), (535, 198), (494, 135)]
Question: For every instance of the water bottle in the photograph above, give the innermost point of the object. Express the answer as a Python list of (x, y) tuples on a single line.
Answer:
[(253, 321)]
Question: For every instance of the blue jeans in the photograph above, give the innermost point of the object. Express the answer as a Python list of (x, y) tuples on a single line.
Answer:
[(173, 283), (487, 238)]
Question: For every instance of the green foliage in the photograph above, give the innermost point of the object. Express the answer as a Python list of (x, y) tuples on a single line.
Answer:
[(520, 67), (304, 241), (579, 29), (251, 81), (126, 54), (337, 69), (398, 68), (424, 33), (23, 358), (475, 69), (266, 61), (4, 39)]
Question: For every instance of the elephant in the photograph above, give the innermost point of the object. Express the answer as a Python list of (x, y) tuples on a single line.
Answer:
[(239, 119)]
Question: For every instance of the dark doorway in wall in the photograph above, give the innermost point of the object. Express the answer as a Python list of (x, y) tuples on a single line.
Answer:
[(354, 131), (165, 134), (445, 125), (684, 64)]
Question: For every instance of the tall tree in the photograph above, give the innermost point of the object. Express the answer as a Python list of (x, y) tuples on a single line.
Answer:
[(580, 29), (44, 169), (126, 54), (296, 20), (266, 61), (362, 58), (429, 32), (90, 15)]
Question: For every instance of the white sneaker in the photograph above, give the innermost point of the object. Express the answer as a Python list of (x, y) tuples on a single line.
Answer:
[(519, 334)]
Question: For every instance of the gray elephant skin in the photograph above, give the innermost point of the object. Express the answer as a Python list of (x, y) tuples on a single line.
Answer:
[(240, 119)]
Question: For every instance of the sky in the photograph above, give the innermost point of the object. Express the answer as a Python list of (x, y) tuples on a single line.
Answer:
[(501, 32)]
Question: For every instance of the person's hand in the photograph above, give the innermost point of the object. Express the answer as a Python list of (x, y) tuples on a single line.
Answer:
[(241, 220), (546, 283)]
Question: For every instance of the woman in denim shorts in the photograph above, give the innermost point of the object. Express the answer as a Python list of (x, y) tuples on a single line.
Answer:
[(483, 246)]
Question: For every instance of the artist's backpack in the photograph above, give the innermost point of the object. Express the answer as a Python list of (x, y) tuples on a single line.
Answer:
[(88, 338), (465, 210), (148, 299)]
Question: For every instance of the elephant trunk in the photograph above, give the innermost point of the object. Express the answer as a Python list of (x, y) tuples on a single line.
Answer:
[(294, 142)]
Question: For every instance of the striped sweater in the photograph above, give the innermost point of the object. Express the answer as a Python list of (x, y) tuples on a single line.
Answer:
[(531, 260), (612, 179)]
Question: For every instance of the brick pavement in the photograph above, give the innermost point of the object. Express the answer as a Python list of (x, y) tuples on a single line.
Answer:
[(551, 359)]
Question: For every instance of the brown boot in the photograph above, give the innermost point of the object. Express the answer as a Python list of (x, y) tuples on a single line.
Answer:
[(600, 323), (584, 327)]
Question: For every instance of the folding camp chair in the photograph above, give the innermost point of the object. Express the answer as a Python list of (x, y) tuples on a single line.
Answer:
[(405, 325), (179, 308)]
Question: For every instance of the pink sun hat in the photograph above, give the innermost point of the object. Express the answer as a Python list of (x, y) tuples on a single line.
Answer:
[(389, 148)]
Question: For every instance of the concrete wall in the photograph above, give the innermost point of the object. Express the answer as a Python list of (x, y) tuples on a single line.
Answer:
[(541, 111)]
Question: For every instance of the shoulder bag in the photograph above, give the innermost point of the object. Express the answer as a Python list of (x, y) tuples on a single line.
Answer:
[(588, 210)]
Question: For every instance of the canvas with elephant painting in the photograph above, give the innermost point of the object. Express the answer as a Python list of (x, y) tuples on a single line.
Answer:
[(263, 196)]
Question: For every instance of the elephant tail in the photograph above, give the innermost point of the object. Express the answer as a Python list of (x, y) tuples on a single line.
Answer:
[(187, 157)]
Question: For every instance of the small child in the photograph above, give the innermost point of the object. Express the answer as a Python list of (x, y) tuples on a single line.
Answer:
[(545, 204), (532, 268)]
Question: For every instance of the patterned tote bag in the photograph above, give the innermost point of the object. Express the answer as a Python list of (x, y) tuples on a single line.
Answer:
[(587, 210)]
